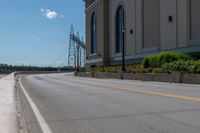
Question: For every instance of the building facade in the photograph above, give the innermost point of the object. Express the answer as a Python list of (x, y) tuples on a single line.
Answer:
[(143, 27)]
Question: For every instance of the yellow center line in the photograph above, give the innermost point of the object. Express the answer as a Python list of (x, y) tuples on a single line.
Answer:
[(171, 95)]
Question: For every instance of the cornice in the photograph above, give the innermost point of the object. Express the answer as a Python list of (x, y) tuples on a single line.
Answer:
[(93, 5)]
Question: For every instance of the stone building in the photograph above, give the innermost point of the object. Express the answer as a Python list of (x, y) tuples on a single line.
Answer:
[(148, 26)]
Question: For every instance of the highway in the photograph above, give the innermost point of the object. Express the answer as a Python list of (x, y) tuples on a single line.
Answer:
[(62, 103)]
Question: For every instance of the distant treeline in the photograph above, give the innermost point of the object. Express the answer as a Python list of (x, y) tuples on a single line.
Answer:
[(6, 69)]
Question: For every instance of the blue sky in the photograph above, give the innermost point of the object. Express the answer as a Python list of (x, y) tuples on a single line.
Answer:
[(36, 32)]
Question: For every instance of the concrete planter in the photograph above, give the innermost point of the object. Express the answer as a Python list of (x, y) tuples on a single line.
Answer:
[(100, 75), (152, 77), (176, 77), (191, 78), (108, 75), (84, 74), (138, 76)]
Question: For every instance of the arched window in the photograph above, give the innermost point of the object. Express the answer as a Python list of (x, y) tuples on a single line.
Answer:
[(93, 34), (120, 25)]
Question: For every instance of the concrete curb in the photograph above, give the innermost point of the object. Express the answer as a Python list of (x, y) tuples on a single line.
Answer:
[(8, 111)]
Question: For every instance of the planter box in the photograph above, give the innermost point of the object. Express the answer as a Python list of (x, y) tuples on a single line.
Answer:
[(174, 78), (100, 75), (84, 74), (108, 75), (138, 76), (191, 78)]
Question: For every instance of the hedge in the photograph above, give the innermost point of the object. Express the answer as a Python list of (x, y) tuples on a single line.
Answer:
[(156, 61), (165, 62), (195, 56), (190, 66)]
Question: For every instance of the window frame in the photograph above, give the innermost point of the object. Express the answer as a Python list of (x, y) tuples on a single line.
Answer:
[(93, 33), (120, 23)]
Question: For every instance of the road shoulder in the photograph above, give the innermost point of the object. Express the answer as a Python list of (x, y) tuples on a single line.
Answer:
[(8, 111), (26, 117)]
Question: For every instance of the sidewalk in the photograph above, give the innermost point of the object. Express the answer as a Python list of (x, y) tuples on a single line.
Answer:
[(8, 111)]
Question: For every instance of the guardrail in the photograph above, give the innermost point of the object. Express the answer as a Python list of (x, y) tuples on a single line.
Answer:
[(41, 72)]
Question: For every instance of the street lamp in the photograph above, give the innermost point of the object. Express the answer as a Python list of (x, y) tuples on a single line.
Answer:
[(78, 58), (123, 49)]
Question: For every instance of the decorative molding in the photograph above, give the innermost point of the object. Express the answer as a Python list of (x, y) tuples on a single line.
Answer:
[(94, 61), (92, 5), (150, 49), (190, 49)]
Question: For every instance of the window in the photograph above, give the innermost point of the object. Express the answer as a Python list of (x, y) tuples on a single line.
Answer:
[(93, 34), (120, 24)]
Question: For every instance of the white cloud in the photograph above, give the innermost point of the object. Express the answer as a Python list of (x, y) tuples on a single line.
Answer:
[(49, 14)]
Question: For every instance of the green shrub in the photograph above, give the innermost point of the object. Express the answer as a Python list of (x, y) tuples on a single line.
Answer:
[(113, 69), (135, 66), (99, 69), (137, 70), (146, 63), (159, 70), (88, 69), (156, 61), (82, 69), (189, 66), (149, 70), (195, 56), (92, 69), (195, 67), (176, 66)]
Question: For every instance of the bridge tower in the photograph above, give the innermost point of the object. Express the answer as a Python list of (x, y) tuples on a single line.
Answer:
[(77, 54), (72, 50)]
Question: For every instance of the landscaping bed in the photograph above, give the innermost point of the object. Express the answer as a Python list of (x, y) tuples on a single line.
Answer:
[(172, 78), (164, 67)]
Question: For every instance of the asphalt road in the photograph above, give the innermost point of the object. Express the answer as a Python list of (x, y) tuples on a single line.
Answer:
[(85, 105), (2, 75)]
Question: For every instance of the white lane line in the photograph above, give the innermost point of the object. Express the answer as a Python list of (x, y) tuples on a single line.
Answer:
[(42, 122)]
